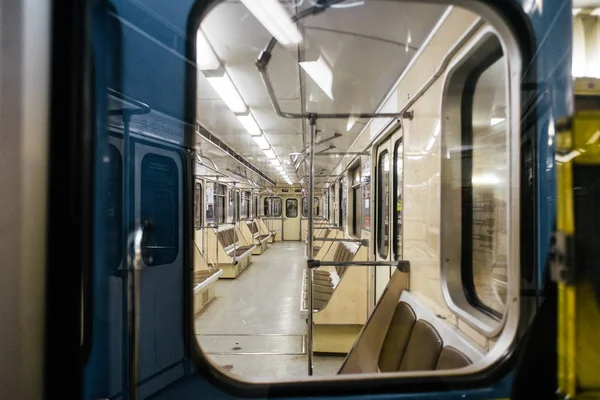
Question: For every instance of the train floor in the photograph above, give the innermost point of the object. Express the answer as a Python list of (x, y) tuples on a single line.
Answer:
[(253, 328)]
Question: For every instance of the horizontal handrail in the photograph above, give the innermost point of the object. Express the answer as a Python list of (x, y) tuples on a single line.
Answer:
[(402, 265)]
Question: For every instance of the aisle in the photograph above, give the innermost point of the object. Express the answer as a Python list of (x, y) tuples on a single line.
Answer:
[(253, 328)]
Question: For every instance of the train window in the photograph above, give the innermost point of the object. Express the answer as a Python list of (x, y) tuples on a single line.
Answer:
[(316, 203), (236, 205), (160, 206), (246, 197), (476, 184), (197, 206), (398, 184), (220, 194), (231, 206), (340, 205), (356, 202), (291, 208), (383, 206), (304, 207), (486, 197), (114, 218), (255, 207), (272, 207)]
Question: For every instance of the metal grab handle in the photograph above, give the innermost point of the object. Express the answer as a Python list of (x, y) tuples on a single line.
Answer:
[(363, 242), (134, 265), (402, 265)]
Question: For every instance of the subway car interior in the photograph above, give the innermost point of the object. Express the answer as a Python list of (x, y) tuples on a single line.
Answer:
[(318, 199)]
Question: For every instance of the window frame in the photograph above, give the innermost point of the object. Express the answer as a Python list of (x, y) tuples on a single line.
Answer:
[(356, 225), (379, 219), (270, 209), (395, 213), (453, 288), (514, 29), (286, 207), (198, 203)]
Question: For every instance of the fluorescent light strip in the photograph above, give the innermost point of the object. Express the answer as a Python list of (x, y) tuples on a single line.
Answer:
[(250, 124), (595, 12), (205, 55), (275, 162), (320, 72), (496, 121), (270, 153), (262, 142), (276, 20), (228, 93)]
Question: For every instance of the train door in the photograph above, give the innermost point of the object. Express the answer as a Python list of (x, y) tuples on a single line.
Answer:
[(145, 257), (291, 218), (157, 196), (383, 209)]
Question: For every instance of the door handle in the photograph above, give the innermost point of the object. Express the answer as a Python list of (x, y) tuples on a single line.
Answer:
[(135, 265)]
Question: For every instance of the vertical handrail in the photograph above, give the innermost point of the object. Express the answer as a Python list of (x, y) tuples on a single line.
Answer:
[(135, 264), (309, 272)]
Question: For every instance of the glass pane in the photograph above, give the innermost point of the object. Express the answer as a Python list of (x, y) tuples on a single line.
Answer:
[(316, 208), (383, 209), (210, 203), (197, 206), (277, 207), (159, 206), (399, 179), (304, 207), (291, 208), (489, 181)]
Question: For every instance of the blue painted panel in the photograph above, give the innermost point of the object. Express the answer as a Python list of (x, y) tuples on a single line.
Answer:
[(552, 24)]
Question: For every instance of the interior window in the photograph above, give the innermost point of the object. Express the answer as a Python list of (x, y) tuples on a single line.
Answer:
[(277, 209), (160, 207), (316, 208), (197, 206), (399, 184), (356, 202), (484, 197), (383, 207), (304, 207), (220, 194), (291, 208)]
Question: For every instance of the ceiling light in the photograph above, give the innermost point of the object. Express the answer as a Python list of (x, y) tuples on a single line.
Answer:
[(249, 123), (576, 11), (262, 142), (321, 73), (495, 121), (595, 11), (205, 56), (269, 153), (227, 91), (275, 162), (275, 19)]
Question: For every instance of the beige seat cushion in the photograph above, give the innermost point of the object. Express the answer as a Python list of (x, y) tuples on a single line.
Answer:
[(423, 349), (396, 339)]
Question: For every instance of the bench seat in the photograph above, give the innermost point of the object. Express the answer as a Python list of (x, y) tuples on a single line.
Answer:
[(204, 288), (402, 335)]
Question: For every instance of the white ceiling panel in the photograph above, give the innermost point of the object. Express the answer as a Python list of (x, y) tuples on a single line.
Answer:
[(366, 47)]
